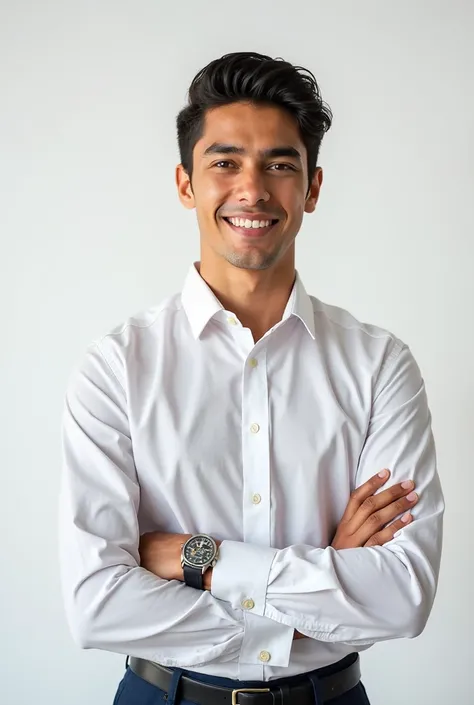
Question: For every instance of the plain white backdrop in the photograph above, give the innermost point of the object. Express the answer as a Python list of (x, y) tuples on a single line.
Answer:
[(92, 231)]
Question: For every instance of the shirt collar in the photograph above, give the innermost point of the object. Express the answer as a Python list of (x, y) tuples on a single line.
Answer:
[(200, 304), (300, 305)]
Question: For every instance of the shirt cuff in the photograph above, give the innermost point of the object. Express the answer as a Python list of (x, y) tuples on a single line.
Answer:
[(265, 643), (240, 575)]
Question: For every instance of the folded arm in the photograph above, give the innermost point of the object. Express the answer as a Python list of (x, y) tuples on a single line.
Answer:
[(358, 595), (112, 602)]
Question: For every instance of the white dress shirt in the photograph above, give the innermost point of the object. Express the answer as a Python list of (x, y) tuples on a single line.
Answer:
[(177, 421)]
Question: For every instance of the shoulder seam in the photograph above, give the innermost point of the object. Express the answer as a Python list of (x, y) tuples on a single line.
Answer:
[(390, 360), (361, 327), (109, 365), (131, 324)]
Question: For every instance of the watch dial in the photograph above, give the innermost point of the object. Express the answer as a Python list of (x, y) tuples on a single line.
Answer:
[(199, 550)]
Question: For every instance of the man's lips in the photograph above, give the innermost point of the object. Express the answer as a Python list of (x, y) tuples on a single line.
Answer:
[(250, 232)]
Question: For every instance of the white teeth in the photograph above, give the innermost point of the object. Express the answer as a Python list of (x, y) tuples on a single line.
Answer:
[(246, 223)]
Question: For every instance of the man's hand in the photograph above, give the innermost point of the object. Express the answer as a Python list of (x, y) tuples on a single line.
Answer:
[(160, 553), (366, 521)]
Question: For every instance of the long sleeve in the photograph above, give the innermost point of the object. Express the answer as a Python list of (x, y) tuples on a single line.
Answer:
[(111, 602), (363, 595)]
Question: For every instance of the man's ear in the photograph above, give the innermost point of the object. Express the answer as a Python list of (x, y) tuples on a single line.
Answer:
[(183, 184), (315, 188)]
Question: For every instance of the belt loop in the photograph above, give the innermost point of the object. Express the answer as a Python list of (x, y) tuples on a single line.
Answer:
[(318, 698), (172, 695)]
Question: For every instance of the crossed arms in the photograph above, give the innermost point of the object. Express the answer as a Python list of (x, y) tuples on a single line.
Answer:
[(367, 586)]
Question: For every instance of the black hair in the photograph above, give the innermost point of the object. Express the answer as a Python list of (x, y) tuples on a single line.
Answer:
[(256, 78)]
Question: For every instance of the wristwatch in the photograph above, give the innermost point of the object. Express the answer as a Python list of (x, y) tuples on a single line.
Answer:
[(199, 553)]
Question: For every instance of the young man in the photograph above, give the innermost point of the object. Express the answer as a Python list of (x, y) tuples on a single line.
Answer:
[(223, 521)]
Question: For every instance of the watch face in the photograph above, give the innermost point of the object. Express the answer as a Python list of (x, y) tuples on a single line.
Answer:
[(199, 551)]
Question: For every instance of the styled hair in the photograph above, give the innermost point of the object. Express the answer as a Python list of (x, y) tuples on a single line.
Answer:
[(256, 78)]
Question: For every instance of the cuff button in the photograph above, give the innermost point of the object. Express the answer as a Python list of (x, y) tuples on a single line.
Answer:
[(248, 604)]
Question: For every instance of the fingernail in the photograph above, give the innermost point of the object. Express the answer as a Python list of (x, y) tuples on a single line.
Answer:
[(383, 473), (412, 496), (407, 484), (406, 517)]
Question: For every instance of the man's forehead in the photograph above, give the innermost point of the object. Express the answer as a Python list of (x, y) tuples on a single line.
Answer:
[(250, 128)]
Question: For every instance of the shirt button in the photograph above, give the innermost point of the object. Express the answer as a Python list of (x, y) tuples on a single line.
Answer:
[(256, 499), (255, 428), (264, 656), (248, 604), (232, 321), (253, 362)]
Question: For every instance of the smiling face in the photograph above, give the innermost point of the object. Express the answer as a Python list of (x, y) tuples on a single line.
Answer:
[(249, 186)]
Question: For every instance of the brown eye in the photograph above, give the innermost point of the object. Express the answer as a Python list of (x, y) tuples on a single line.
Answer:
[(284, 167)]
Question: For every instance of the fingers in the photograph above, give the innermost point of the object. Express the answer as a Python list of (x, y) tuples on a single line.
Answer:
[(379, 520), (366, 521), (382, 537), (360, 494), (401, 505), (377, 510)]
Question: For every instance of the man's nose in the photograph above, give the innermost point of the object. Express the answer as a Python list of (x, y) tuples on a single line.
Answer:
[(252, 187)]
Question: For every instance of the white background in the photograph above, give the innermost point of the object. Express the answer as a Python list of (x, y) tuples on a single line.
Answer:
[(92, 231)]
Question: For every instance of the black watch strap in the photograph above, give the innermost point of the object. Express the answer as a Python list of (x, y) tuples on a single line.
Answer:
[(193, 577)]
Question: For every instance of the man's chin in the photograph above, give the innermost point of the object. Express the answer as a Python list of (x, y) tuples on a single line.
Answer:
[(250, 260)]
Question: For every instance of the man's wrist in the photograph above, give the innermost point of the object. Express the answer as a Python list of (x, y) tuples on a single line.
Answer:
[(207, 577)]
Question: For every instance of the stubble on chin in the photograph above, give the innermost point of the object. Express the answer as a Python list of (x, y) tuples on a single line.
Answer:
[(251, 260)]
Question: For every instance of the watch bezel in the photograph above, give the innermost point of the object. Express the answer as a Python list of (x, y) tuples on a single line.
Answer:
[(205, 566)]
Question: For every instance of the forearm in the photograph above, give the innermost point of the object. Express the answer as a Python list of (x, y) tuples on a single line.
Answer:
[(125, 609), (354, 596), (160, 553)]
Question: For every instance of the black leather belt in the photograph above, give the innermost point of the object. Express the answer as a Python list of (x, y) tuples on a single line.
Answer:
[(330, 686)]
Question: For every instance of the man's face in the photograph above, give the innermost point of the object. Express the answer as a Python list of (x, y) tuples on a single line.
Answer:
[(249, 166)]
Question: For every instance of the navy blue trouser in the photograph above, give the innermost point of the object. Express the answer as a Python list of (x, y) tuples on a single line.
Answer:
[(133, 690)]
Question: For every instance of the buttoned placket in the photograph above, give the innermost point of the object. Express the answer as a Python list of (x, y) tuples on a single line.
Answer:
[(256, 492), (259, 631)]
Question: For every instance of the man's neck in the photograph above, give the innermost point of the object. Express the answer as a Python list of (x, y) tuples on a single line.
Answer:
[(258, 298)]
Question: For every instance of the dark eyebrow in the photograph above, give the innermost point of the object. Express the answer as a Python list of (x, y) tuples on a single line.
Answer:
[(273, 152)]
